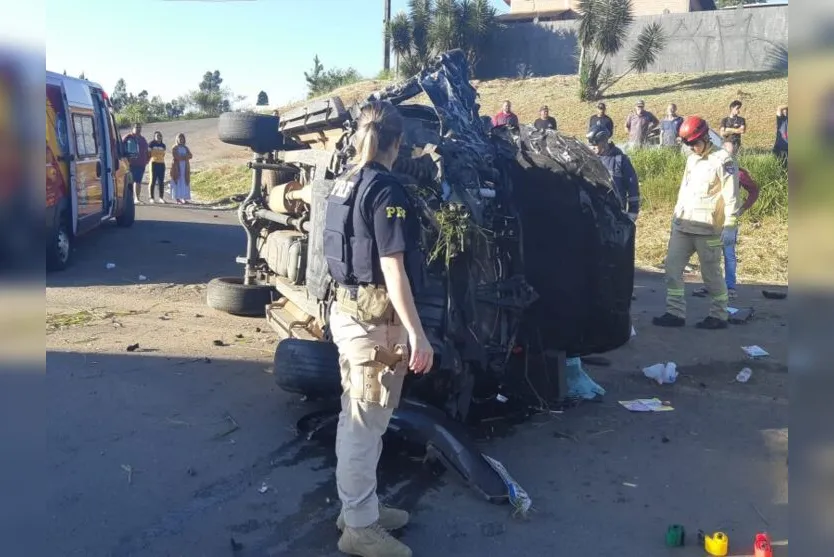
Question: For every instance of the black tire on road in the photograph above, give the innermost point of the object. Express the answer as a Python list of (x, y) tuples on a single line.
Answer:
[(59, 246), (230, 295), (259, 132), (308, 367), (129, 212)]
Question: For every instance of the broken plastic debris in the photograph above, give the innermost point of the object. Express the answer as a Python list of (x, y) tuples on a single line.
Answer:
[(662, 373), (501, 398), (741, 316), (110, 266), (264, 488), (755, 351), (744, 375), (580, 384), (646, 405), (732, 311), (629, 484), (143, 277), (633, 331), (518, 497)]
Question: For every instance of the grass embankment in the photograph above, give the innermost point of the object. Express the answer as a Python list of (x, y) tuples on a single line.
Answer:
[(763, 245)]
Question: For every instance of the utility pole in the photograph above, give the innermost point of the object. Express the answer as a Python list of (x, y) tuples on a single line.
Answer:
[(386, 60)]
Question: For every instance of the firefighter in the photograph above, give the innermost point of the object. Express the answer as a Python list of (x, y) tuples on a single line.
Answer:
[(705, 214), (371, 246), (619, 166)]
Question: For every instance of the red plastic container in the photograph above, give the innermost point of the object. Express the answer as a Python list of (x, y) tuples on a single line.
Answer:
[(761, 547)]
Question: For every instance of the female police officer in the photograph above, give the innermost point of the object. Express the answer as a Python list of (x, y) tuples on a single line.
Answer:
[(371, 248)]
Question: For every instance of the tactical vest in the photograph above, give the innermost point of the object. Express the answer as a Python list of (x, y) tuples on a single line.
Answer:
[(614, 164), (349, 250)]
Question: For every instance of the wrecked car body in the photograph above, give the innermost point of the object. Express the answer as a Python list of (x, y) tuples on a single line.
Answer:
[(529, 254)]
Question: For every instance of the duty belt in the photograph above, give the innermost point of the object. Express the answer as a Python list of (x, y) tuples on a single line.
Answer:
[(349, 293)]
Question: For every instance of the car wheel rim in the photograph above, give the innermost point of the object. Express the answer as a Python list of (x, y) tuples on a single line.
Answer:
[(63, 245)]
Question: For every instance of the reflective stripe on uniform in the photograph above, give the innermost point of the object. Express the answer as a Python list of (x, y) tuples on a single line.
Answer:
[(730, 221), (721, 297), (715, 243), (675, 292)]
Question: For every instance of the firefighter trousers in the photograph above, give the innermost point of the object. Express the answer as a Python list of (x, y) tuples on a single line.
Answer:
[(363, 420), (709, 249)]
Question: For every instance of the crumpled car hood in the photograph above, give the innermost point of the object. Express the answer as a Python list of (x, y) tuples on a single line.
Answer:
[(577, 242)]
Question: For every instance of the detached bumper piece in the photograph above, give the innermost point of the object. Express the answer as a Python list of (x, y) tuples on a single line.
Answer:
[(446, 441)]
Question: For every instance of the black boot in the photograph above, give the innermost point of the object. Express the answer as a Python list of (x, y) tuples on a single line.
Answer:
[(669, 320), (712, 323)]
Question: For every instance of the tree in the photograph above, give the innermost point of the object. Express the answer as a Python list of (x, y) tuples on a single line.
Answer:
[(320, 81), (119, 97), (82, 76), (263, 99), (603, 29), (314, 78), (430, 28), (210, 98), (211, 81)]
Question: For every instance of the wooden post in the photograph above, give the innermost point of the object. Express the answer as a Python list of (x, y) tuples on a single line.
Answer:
[(386, 60)]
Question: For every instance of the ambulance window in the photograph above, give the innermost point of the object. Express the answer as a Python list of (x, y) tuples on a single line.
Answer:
[(85, 136)]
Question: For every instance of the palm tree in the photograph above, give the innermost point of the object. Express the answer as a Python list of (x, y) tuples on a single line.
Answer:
[(431, 27), (399, 33), (603, 29)]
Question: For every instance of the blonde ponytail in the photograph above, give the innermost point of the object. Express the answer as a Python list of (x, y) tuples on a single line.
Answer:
[(378, 128)]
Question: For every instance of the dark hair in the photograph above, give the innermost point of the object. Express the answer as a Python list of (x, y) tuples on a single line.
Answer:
[(378, 127), (735, 103), (601, 106)]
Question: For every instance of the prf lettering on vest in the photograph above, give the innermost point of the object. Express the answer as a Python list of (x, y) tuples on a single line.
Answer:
[(342, 188), (395, 212)]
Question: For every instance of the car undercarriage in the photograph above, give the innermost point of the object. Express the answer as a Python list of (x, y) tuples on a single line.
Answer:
[(529, 256)]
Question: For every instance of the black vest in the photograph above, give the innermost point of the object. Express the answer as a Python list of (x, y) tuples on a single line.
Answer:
[(349, 249)]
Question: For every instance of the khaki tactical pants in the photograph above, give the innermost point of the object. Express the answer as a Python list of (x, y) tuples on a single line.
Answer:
[(367, 405), (709, 248)]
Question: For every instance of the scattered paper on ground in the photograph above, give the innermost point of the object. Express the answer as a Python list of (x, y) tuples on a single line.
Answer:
[(755, 351), (645, 405)]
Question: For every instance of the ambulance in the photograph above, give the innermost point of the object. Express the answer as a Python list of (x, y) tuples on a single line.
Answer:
[(87, 177)]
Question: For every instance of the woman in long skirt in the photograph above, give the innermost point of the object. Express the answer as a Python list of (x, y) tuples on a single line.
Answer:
[(181, 171)]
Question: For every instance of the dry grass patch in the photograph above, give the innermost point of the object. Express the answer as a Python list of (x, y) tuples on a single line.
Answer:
[(762, 248), (707, 94)]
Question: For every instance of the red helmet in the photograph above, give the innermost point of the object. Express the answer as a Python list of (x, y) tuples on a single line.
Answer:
[(692, 129)]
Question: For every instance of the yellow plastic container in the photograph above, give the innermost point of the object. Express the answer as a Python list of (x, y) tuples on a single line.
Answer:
[(717, 544)]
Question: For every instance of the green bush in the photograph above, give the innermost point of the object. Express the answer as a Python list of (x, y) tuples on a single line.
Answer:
[(660, 172)]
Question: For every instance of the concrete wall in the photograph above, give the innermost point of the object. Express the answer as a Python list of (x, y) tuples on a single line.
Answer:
[(721, 40)]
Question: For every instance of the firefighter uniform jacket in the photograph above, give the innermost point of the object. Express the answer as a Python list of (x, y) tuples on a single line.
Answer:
[(708, 195)]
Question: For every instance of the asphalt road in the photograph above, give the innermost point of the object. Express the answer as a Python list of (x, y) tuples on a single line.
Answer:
[(159, 452), (201, 137)]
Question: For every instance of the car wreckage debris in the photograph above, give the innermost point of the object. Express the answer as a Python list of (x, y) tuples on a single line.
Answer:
[(528, 254)]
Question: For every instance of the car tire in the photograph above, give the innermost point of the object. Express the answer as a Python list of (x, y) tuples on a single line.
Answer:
[(128, 215), (59, 246), (259, 132), (308, 367), (230, 295)]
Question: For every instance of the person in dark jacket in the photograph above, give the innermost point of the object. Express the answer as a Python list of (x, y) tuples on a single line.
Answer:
[(619, 166), (603, 118), (780, 146)]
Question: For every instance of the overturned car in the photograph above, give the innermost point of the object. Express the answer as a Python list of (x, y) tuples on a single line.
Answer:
[(529, 255)]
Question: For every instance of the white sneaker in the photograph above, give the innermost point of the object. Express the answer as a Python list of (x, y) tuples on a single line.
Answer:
[(150, 200), (161, 200), (136, 200)]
